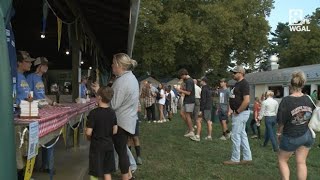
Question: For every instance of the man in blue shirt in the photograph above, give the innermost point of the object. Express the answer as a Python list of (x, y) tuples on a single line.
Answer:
[(24, 64), (37, 86), (83, 92), (35, 79)]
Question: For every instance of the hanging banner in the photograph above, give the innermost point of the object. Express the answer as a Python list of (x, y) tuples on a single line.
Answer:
[(69, 35), (59, 23), (44, 16)]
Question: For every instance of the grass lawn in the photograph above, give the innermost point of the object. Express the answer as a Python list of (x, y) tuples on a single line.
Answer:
[(167, 154)]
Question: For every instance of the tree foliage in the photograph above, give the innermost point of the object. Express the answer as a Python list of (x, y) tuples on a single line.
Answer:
[(199, 35), (298, 48)]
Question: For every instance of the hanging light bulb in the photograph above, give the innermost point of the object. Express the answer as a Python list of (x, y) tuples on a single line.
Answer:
[(90, 67), (82, 62), (67, 52), (42, 36)]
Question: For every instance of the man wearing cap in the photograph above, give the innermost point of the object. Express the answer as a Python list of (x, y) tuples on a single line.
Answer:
[(223, 108), (37, 86), (205, 110), (24, 64), (239, 101), (35, 79)]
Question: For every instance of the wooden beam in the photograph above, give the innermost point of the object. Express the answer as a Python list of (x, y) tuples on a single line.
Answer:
[(75, 62)]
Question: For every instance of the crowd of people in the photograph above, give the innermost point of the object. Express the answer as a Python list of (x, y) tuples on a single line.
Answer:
[(115, 123)]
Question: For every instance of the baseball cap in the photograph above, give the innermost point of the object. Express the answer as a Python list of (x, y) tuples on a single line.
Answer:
[(238, 69), (26, 56), (40, 60)]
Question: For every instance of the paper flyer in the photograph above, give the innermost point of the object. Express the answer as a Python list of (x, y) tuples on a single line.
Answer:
[(33, 139)]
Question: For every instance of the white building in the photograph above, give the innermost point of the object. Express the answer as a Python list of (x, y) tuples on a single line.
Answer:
[(278, 80)]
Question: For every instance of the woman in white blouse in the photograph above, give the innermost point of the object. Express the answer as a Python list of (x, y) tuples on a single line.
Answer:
[(269, 109)]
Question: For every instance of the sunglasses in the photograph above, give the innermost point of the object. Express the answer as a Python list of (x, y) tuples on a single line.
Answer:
[(235, 72)]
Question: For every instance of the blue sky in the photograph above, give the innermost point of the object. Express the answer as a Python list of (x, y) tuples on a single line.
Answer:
[(280, 13)]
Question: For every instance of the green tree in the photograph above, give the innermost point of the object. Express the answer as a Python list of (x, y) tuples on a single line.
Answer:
[(298, 48), (199, 35)]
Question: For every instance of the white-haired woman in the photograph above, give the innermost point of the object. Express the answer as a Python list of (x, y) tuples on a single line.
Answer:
[(125, 103), (269, 109), (293, 133)]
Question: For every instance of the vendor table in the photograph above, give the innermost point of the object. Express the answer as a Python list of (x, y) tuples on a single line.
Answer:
[(53, 120)]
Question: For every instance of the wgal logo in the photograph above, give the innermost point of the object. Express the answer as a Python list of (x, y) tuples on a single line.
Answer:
[(297, 22)]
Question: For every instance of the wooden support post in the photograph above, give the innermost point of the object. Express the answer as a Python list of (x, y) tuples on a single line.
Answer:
[(75, 62)]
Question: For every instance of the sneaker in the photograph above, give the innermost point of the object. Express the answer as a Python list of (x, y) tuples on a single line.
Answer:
[(159, 121), (164, 120), (254, 137), (208, 138), (190, 134), (155, 121), (195, 138), (223, 138), (139, 160), (149, 121), (228, 135), (231, 163), (195, 126)]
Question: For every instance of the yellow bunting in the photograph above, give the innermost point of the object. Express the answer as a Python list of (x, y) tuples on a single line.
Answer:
[(59, 23), (85, 127), (29, 168), (64, 131), (75, 137)]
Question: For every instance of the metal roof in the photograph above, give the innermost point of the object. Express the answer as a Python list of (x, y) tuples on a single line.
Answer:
[(282, 76)]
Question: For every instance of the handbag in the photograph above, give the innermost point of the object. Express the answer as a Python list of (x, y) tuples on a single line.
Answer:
[(314, 122)]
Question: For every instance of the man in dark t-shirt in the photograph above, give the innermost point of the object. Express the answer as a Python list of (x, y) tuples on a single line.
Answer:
[(239, 101), (189, 100)]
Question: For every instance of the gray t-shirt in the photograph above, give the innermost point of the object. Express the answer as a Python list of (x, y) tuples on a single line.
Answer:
[(224, 99), (125, 101)]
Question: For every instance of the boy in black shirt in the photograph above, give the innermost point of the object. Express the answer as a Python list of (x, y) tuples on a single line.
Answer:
[(102, 124)]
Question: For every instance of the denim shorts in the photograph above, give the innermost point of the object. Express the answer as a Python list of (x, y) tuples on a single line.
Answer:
[(223, 115), (291, 144)]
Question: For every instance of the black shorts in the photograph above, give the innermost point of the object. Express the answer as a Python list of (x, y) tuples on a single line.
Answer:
[(101, 162)]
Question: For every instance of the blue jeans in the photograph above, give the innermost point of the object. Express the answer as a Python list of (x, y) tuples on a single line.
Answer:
[(48, 158), (239, 137), (270, 122)]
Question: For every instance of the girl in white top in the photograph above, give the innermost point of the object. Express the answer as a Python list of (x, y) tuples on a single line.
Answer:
[(161, 102)]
